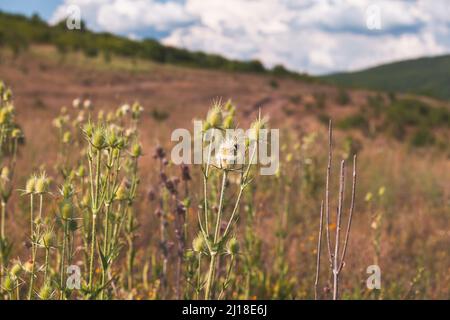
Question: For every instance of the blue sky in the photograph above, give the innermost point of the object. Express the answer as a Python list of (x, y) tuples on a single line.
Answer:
[(314, 36)]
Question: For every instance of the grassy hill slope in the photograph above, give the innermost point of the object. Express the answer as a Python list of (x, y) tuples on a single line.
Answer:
[(424, 76)]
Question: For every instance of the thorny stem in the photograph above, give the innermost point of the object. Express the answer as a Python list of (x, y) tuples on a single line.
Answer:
[(30, 289), (95, 210)]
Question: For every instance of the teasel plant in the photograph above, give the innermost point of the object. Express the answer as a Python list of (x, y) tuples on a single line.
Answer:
[(11, 137), (37, 185), (336, 257), (113, 182), (226, 163)]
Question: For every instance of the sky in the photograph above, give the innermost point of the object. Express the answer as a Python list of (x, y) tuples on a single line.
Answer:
[(313, 36)]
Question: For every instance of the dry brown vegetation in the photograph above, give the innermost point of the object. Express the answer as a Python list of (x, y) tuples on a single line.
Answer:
[(402, 211)]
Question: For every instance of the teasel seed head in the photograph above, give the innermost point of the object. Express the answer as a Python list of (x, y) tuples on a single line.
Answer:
[(88, 129), (136, 150), (198, 244), (16, 133), (66, 210), (98, 138), (136, 110), (233, 246), (47, 239), (30, 185), (46, 291), (4, 116), (42, 184), (16, 270), (8, 283), (214, 117), (67, 190)]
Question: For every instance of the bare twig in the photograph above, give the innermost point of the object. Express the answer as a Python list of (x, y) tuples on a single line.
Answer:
[(352, 206), (319, 246), (327, 191), (338, 231)]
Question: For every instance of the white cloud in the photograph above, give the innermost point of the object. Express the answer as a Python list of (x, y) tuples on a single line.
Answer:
[(315, 36)]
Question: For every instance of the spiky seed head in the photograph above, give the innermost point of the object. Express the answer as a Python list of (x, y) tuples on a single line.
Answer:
[(4, 116), (214, 117), (7, 95), (46, 291), (198, 243), (255, 128), (16, 270), (8, 283), (16, 133), (47, 239), (66, 210), (66, 190), (88, 129), (98, 138), (136, 110), (111, 138), (136, 150), (42, 183), (30, 185), (228, 123), (120, 143), (233, 246)]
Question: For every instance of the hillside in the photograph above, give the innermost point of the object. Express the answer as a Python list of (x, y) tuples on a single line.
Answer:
[(18, 32), (425, 76)]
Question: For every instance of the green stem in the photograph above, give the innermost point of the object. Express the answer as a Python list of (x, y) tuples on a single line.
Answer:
[(95, 210), (63, 258), (30, 289), (3, 220), (213, 252), (209, 279)]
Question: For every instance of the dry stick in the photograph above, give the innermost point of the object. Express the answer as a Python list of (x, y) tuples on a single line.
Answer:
[(319, 246), (327, 191), (338, 231), (352, 206)]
